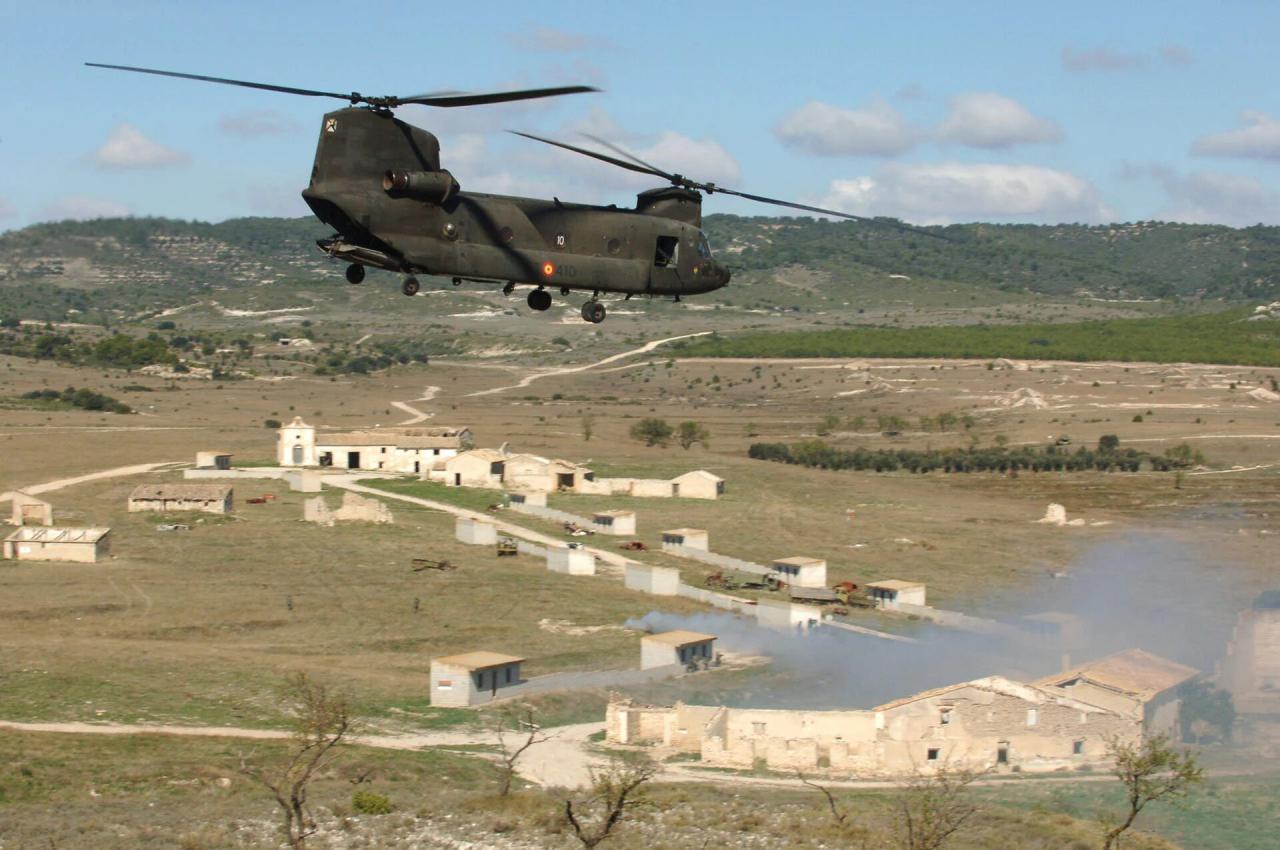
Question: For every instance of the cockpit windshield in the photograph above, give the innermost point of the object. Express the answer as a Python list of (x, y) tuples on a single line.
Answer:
[(704, 247)]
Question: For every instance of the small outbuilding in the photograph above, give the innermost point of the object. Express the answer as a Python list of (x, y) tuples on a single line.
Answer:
[(472, 678), (676, 647), (570, 559), (475, 468), (477, 531), (892, 593), (36, 543), (213, 460), (647, 578), (686, 538), (28, 510), (801, 571), (165, 498), (698, 484), (617, 523)]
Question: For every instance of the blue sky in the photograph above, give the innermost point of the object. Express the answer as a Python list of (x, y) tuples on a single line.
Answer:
[(934, 112)]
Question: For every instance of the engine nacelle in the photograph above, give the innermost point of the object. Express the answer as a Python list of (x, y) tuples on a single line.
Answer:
[(435, 187)]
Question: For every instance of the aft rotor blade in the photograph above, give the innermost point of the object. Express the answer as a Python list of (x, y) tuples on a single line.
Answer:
[(464, 99), (224, 81), (628, 155), (780, 203), (595, 155)]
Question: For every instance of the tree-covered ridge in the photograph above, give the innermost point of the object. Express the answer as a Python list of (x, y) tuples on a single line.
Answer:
[(1138, 260), (1228, 337), (1142, 260)]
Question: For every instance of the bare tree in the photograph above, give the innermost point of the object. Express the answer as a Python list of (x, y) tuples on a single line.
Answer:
[(321, 721), (839, 815), (934, 806), (615, 790), (516, 731), (1150, 771)]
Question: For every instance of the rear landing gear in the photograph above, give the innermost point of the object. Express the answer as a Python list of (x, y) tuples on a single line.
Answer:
[(410, 286), (355, 273), (539, 299), (593, 312), (509, 288)]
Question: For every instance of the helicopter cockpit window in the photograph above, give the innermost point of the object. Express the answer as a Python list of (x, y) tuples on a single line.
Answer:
[(704, 247), (667, 252)]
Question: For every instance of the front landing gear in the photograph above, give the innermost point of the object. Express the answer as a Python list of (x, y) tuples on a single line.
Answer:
[(410, 286), (355, 273), (593, 312), (539, 299)]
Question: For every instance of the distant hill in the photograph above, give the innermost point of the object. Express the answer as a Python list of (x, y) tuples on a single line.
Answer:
[(110, 269)]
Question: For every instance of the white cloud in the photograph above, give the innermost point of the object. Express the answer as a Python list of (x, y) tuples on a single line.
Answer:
[(552, 40), (1213, 198), (1101, 59), (251, 123), (826, 130), (1176, 54), (127, 147), (1259, 139), (7, 210), (990, 120), (82, 207), (946, 192)]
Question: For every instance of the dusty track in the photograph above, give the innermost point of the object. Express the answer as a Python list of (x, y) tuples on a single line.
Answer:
[(117, 472)]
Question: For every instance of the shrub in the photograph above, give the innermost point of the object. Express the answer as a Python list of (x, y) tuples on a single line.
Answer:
[(652, 432), (272, 424), (370, 803)]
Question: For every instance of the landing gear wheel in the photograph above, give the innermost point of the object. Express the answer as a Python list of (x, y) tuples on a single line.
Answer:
[(593, 312), (509, 288), (355, 273), (410, 286), (539, 299)]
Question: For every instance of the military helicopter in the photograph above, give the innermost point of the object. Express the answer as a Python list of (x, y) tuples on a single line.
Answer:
[(378, 182)]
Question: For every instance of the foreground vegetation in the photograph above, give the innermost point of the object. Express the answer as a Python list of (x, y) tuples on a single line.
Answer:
[(1213, 338)]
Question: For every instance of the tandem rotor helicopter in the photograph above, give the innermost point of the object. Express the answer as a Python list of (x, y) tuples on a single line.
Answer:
[(378, 182)]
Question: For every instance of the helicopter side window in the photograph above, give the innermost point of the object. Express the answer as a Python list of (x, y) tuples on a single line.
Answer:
[(667, 252)]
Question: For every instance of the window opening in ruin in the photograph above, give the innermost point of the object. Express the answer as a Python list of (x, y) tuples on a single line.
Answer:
[(353, 460), (933, 753), (1002, 753), (1077, 748), (1033, 716), (667, 252), (757, 728), (946, 716)]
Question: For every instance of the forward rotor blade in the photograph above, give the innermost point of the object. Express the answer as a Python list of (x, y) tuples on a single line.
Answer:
[(244, 83), (595, 155), (464, 99)]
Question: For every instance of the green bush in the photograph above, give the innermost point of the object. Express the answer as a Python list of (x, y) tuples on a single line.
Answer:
[(370, 803)]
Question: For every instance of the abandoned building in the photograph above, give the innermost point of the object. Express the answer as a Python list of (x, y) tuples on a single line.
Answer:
[(681, 647), (617, 523), (688, 538), (213, 460), (407, 450), (802, 572), (474, 468), (354, 508), (698, 484), (39, 543), (892, 594), (472, 678), (1251, 670), (28, 510), (986, 724), (166, 498), (1135, 684), (570, 559)]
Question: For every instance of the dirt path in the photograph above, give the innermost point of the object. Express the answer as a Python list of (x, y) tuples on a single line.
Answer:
[(564, 761), (119, 471), (569, 370), (417, 415)]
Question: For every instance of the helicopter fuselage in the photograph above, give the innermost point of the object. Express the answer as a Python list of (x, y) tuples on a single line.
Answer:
[(378, 182)]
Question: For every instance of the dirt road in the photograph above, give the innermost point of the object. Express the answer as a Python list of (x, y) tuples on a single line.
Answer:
[(416, 415), (49, 486)]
